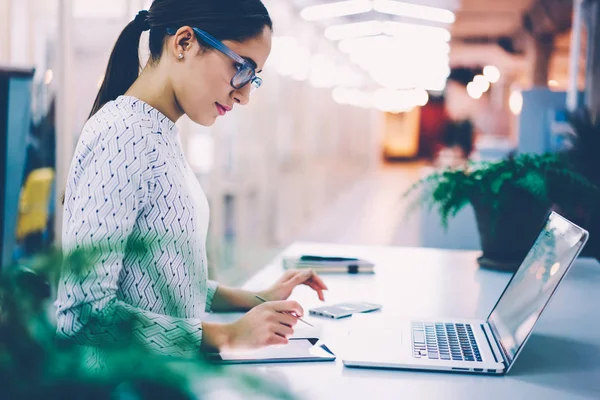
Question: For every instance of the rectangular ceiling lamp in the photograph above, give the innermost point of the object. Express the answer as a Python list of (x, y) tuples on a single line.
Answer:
[(336, 10), (392, 28), (416, 11), (354, 30), (418, 32)]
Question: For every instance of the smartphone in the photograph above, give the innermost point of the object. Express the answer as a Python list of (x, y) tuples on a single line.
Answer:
[(342, 310)]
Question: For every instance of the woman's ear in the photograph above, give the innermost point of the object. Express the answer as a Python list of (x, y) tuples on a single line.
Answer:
[(184, 40)]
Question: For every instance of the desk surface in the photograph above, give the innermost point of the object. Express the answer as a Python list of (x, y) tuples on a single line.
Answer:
[(560, 361)]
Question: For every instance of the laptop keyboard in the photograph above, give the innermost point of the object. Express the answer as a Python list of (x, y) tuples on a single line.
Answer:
[(444, 341)]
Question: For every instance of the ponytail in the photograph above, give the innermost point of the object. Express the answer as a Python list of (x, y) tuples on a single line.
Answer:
[(124, 63), (236, 20)]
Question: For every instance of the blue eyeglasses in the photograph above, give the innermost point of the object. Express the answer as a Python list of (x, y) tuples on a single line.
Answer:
[(246, 73)]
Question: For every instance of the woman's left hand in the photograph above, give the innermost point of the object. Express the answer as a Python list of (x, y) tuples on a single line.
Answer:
[(282, 289)]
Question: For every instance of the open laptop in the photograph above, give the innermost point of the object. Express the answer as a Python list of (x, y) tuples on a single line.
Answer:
[(479, 346)]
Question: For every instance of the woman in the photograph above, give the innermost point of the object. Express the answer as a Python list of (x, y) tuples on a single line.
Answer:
[(129, 182)]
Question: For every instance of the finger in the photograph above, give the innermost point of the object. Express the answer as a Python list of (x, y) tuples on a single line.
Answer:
[(288, 274), (316, 288), (291, 276), (288, 306), (301, 277), (277, 339), (321, 295), (312, 285), (286, 319), (316, 278), (282, 330)]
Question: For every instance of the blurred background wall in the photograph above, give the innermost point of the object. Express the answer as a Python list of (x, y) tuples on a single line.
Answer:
[(335, 103)]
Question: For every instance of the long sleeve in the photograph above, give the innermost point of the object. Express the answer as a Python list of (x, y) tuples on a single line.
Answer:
[(212, 289), (109, 192)]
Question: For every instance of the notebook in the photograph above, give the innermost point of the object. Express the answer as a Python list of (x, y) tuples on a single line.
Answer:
[(329, 264)]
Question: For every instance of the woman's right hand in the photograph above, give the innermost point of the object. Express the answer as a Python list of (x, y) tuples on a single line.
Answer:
[(264, 325)]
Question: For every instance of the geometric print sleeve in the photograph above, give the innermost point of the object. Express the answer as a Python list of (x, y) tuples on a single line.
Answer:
[(113, 185), (212, 289)]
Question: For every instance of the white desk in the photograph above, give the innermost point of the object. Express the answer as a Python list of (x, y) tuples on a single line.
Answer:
[(561, 360)]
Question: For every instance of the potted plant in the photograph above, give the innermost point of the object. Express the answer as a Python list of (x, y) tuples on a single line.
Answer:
[(582, 157), (34, 364), (511, 198)]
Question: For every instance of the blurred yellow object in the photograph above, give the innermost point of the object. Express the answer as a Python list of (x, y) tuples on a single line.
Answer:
[(35, 202), (401, 134)]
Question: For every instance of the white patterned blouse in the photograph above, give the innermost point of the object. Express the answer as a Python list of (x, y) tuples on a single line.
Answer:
[(130, 183)]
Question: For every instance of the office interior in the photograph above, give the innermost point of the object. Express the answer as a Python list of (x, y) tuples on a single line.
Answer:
[(361, 99)]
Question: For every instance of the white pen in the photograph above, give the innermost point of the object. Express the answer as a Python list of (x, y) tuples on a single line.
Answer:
[(293, 315)]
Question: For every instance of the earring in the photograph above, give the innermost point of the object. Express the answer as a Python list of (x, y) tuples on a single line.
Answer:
[(180, 56)]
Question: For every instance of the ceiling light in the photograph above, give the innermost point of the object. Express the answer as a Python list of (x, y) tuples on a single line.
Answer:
[(348, 78), (48, 77), (414, 11), (553, 83), (354, 30), (473, 90), (386, 100), (337, 9), (395, 44), (419, 32), (398, 101), (422, 98), (353, 97), (340, 95), (491, 73), (515, 102), (284, 52), (435, 85), (429, 79), (482, 84), (353, 7), (422, 33), (302, 60), (323, 71)]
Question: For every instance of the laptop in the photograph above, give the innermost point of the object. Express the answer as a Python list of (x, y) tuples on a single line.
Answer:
[(488, 346)]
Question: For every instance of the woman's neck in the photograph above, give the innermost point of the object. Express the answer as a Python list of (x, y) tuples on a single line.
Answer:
[(153, 87)]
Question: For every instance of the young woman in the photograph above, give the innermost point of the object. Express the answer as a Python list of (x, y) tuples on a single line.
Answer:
[(129, 182)]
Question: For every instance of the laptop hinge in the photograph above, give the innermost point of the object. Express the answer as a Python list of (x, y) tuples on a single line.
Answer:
[(494, 345)]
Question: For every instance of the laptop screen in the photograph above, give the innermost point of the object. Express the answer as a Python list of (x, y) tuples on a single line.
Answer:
[(530, 289)]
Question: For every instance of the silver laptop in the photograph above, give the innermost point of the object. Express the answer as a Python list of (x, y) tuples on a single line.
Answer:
[(478, 346)]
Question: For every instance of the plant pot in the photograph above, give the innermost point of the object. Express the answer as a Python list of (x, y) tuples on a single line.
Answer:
[(507, 234)]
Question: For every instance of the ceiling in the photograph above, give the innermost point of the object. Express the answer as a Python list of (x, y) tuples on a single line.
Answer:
[(485, 31), (474, 18), (489, 18)]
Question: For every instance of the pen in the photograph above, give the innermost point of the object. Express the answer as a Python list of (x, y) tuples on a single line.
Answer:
[(293, 315)]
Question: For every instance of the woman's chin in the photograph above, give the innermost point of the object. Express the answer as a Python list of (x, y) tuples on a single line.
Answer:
[(206, 121)]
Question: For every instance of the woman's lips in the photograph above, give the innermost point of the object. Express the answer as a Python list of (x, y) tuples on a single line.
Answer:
[(222, 109)]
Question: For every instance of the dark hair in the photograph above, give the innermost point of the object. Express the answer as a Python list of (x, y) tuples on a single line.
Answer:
[(236, 20), (463, 75)]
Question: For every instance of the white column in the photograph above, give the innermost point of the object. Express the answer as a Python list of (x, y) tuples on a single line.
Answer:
[(20, 43), (65, 111), (5, 26), (573, 90)]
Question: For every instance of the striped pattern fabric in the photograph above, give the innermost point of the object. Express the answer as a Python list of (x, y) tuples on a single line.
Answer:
[(130, 183)]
